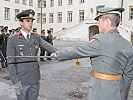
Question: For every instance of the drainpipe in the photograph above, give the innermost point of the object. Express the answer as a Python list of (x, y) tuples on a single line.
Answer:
[(41, 15), (121, 7)]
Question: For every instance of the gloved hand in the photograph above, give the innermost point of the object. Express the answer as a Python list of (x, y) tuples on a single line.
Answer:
[(18, 88), (53, 55)]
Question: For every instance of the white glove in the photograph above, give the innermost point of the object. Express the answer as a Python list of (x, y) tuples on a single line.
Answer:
[(53, 55), (18, 88)]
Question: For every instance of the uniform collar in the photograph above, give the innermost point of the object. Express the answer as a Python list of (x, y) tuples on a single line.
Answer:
[(112, 31), (24, 33)]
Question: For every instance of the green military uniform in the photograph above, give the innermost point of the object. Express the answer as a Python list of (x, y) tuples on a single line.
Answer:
[(26, 70), (111, 55)]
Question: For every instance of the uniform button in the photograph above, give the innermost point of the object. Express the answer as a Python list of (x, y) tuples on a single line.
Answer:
[(30, 48), (33, 59), (31, 54), (34, 66)]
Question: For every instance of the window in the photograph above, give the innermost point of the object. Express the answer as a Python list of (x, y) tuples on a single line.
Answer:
[(70, 2), (24, 2), (69, 16), (59, 2), (17, 1), (59, 17), (51, 3), (30, 2), (42, 3), (38, 17), (81, 1), (39, 3), (51, 17), (16, 12), (7, 13), (131, 13), (81, 15), (44, 18)]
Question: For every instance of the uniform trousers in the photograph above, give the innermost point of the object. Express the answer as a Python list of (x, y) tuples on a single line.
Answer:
[(29, 92), (104, 90)]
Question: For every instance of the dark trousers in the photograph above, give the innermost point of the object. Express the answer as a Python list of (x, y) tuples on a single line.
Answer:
[(42, 53), (29, 92), (3, 57)]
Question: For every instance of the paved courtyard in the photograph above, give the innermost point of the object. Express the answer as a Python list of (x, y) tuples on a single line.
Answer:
[(59, 80)]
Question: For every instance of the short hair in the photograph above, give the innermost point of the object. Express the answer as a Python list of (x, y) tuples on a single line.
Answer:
[(42, 31), (114, 17)]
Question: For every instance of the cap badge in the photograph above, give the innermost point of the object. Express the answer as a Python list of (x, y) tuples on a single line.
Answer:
[(30, 15)]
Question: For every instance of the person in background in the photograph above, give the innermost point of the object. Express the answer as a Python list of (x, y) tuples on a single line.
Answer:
[(49, 40), (4, 38), (25, 71), (10, 32), (42, 52), (34, 30), (111, 56)]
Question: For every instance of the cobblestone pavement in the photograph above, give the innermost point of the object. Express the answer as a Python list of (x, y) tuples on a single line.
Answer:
[(59, 80)]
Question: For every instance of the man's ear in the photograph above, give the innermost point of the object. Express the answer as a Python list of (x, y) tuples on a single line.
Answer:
[(20, 22), (108, 22)]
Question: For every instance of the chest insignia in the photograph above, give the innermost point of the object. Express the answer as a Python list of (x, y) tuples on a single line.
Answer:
[(91, 41)]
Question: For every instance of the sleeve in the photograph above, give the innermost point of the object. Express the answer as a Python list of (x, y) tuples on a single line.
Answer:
[(90, 49), (11, 67), (46, 46), (127, 78)]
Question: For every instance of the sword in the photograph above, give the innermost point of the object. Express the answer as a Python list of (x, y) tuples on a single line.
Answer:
[(30, 57)]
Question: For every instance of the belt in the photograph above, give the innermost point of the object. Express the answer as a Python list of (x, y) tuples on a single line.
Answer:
[(106, 76)]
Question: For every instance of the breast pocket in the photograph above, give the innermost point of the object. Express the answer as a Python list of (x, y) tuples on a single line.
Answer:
[(20, 50)]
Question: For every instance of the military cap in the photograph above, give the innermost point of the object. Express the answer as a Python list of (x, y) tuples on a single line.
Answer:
[(48, 31), (6, 27), (26, 14), (107, 10), (34, 30)]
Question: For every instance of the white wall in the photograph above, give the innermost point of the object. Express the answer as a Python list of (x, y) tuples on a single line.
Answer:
[(75, 7), (126, 5)]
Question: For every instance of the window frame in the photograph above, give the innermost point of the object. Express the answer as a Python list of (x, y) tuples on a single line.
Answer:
[(81, 16)]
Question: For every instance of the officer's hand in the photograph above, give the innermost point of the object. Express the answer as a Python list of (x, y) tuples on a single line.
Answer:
[(53, 55), (18, 88)]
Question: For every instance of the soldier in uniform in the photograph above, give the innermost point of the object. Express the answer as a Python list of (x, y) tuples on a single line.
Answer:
[(42, 52), (25, 72), (34, 30), (49, 40), (4, 37), (111, 55)]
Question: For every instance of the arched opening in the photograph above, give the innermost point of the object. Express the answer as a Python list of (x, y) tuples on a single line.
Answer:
[(93, 30)]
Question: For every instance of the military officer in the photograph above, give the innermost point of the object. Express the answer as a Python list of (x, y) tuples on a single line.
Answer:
[(42, 52), (49, 40), (111, 55), (25, 72), (4, 37)]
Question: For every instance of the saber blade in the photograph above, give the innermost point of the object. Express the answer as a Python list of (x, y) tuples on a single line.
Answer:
[(30, 57)]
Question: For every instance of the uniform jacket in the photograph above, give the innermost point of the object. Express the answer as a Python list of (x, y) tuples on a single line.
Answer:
[(25, 70), (110, 54), (50, 38), (44, 37)]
